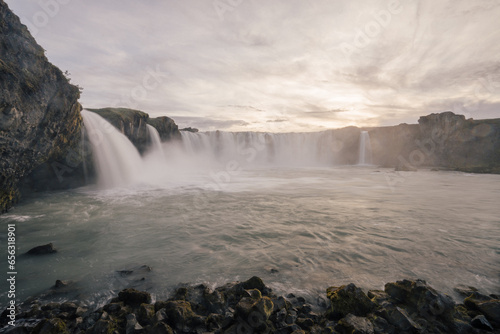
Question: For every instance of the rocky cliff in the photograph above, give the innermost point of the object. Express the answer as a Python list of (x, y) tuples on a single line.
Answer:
[(40, 118), (443, 140), (132, 123)]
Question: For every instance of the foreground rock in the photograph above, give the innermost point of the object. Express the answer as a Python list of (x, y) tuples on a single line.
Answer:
[(252, 307), (42, 250)]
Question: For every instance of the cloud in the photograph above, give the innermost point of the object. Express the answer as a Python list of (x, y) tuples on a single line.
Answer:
[(259, 62)]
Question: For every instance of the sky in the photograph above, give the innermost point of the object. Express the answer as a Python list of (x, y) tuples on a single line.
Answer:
[(276, 65)]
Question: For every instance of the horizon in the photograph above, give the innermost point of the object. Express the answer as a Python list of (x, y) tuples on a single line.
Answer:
[(230, 66)]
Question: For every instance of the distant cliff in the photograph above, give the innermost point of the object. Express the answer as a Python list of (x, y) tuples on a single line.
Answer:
[(40, 118), (443, 140), (132, 123)]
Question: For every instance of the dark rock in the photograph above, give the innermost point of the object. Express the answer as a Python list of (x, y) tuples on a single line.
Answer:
[(355, 325), (40, 118), (103, 326), (166, 127), (161, 328), (254, 283), (348, 299), (179, 314), (486, 305), (51, 326), (42, 250), (400, 319), (146, 314), (465, 291), (189, 129), (133, 326), (481, 322), (134, 297)]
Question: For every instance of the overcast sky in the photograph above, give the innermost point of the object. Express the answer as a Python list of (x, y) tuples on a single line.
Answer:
[(287, 65)]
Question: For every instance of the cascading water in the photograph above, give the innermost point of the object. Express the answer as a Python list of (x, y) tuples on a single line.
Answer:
[(154, 136), (116, 159), (365, 149), (256, 148)]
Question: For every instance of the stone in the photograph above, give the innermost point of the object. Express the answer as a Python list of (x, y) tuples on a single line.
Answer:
[(348, 299), (179, 314), (134, 297), (481, 322), (51, 326), (133, 326), (254, 283), (42, 250), (161, 328), (355, 325)]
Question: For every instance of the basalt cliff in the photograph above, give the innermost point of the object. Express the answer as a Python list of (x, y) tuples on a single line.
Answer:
[(40, 119)]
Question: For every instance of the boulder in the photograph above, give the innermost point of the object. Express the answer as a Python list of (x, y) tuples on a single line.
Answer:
[(134, 297), (348, 299), (355, 325), (42, 250)]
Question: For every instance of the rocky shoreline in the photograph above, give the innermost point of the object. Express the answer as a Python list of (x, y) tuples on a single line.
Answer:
[(252, 307)]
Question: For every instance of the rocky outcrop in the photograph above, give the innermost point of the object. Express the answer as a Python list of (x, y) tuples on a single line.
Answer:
[(132, 123), (40, 118), (252, 307), (449, 140), (166, 127), (443, 140)]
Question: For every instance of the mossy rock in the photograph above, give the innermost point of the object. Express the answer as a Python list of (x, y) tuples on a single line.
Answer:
[(51, 326), (348, 299)]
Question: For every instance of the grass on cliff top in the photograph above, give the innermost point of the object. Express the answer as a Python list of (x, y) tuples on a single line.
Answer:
[(115, 115)]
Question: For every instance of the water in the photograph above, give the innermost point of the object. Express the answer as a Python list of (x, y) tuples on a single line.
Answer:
[(156, 146), (316, 226), (365, 149), (219, 207), (117, 160)]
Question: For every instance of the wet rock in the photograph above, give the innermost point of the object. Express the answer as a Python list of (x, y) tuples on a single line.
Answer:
[(348, 299), (133, 326), (254, 283), (465, 290), (418, 297), (146, 314), (161, 328), (102, 326), (481, 322), (355, 325), (400, 319), (42, 250), (486, 305), (134, 297), (179, 314), (51, 326)]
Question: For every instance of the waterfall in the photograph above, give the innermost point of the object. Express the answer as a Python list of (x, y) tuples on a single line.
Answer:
[(365, 149), (154, 136), (259, 148), (116, 159)]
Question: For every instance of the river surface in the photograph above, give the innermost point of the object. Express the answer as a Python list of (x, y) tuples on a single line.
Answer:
[(300, 229)]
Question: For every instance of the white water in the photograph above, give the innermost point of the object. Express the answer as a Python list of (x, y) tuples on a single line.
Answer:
[(116, 159), (156, 146), (365, 149), (264, 149)]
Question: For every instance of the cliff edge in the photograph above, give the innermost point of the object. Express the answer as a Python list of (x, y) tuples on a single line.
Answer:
[(40, 117)]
